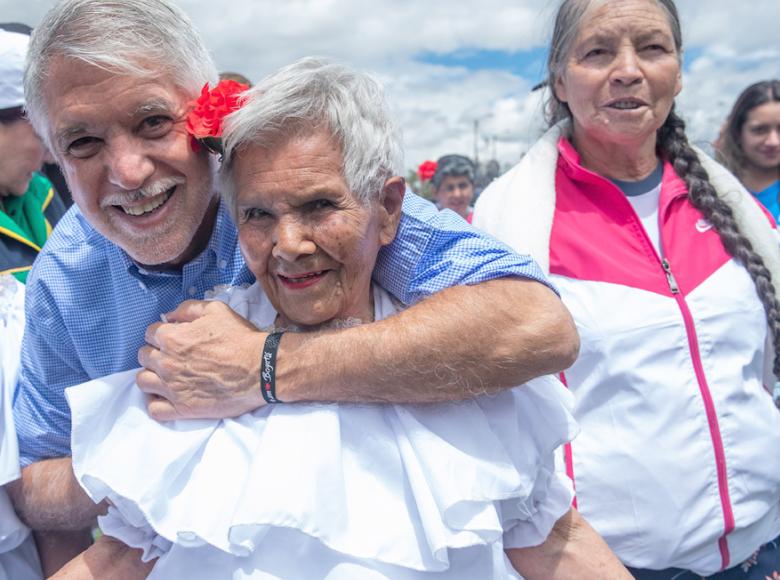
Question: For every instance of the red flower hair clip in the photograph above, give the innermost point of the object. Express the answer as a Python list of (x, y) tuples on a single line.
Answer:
[(204, 122), (426, 170)]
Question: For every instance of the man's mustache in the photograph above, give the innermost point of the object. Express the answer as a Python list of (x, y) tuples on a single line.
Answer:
[(151, 190)]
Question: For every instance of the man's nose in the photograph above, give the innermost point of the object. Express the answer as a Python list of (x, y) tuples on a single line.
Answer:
[(128, 165)]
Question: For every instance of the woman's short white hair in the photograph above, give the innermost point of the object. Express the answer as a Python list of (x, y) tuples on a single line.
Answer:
[(309, 95), (143, 38)]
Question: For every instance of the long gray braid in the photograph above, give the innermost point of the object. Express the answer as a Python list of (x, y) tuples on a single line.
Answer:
[(673, 145)]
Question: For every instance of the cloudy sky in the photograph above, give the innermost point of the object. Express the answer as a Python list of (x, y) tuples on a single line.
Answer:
[(449, 63)]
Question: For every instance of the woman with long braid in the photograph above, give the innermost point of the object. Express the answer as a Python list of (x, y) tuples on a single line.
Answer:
[(669, 267)]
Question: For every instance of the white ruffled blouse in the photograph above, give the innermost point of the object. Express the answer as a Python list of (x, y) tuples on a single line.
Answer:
[(326, 490)]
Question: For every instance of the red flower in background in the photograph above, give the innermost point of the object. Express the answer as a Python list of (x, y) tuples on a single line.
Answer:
[(426, 170), (211, 108)]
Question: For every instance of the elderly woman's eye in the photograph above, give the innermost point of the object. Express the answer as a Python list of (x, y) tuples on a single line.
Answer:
[(322, 204), (595, 52)]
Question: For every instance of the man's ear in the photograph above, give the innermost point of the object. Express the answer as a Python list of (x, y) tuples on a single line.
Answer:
[(392, 200)]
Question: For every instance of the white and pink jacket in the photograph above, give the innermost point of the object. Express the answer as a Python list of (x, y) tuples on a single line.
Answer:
[(678, 461)]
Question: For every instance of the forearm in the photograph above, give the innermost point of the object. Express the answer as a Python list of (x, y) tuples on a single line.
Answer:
[(107, 558), (48, 497), (464, 341), (572, 550), (56, 549)]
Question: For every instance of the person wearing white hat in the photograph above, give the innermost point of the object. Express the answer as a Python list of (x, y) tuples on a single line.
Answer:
[(29, 206)]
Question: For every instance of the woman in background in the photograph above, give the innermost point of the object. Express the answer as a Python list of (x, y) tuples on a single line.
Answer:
[(453, 184), (750, 142)]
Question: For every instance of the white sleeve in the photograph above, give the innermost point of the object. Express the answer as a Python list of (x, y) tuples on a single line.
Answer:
[(133, 530), (550, 500), (249, 302)]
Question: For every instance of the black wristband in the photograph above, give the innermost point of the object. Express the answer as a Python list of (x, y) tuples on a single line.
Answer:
[(268, 367)]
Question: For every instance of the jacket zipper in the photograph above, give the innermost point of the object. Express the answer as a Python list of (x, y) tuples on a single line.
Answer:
[(670, 277), (709, 406)]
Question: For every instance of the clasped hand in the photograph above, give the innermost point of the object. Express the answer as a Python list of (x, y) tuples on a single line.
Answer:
[(203, 363)]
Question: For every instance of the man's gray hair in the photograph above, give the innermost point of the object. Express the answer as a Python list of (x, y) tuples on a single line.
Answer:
[(143, 38), (310, 95)]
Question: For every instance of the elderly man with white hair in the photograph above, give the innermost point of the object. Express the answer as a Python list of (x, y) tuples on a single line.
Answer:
[(108, 86)]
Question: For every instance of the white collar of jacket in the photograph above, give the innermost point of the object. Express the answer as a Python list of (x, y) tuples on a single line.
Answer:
[(527, 194)]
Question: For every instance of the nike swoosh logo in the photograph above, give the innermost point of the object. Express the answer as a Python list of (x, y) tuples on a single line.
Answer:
[(703, 225)]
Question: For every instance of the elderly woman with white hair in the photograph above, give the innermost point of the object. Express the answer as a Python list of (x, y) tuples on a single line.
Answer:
[(447, 491)]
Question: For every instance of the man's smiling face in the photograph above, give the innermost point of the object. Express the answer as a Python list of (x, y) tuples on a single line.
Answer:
[(122, 144)]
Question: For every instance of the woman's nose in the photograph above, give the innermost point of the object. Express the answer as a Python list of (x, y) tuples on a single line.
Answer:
[(626, 69), (292, 240)]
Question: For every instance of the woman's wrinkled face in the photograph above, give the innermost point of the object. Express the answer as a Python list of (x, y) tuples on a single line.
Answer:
[(306, 237), (760, 136), (622, 72)]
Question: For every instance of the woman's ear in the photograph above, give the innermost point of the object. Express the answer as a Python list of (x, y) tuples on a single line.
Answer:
[(559, 89), (390, 216)]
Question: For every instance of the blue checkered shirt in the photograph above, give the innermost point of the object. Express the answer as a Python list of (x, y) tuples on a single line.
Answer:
[(88, 304)]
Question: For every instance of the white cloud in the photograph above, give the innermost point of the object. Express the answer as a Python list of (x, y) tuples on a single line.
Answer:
[(744, 26), (372, 33), (731, 45)]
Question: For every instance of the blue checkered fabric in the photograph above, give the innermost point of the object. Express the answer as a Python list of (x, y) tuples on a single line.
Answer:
[(88, 304)]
